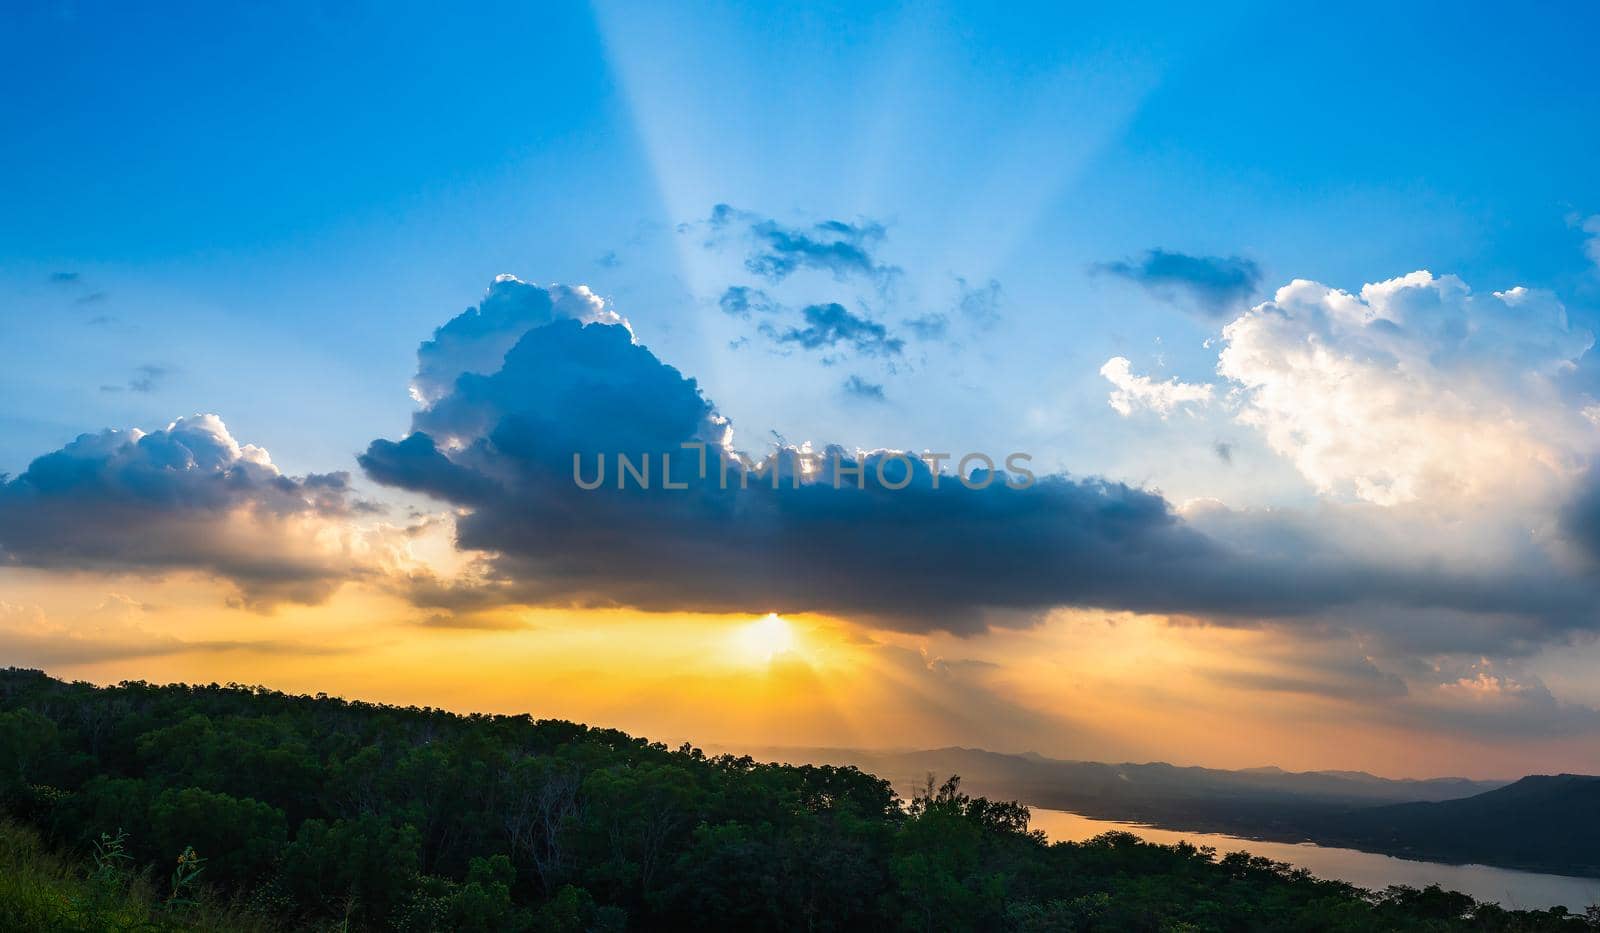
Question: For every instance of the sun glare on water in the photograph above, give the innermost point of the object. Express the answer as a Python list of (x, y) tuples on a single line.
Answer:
[(760, 641)]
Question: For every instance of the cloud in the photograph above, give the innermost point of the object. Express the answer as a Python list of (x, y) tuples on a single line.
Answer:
[(146, 378), (829, 325), (115, 630), (1130, 393), (858, 388), (1414, 389), (775, 252), (1212, 285), (1343, 678), (740, 300), (1591, 244), (478, 337), (1484, 697), (779, 250), (1580, 519), (502, 445), (981, 304), (1463, 694), (930, 326), (186, 497)]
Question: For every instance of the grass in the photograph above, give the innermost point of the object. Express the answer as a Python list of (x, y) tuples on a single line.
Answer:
[(42, 890)]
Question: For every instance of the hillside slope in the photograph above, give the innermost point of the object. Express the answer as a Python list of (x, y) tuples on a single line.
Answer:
[(323, 813), (1264, 803), (1541, 823)]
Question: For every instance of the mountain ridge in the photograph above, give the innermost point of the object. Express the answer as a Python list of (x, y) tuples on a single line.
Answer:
[(1547, 823)]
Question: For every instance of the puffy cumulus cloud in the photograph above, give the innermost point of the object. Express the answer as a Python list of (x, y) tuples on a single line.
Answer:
[(186, 497), (779, 250), (476, 339), (1212, 285), (1130, 393), (1414, 389), (904, 546)]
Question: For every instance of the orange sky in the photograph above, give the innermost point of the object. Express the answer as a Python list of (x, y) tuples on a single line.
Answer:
[(1082, 684)]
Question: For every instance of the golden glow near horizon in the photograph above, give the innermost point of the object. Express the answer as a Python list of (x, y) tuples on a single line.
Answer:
[(764, 639), (1081, 684)]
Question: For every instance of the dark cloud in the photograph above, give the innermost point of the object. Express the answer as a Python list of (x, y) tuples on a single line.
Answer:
[(500, 446), (187, 497), (832, 324), (1214, 286), (859, 388), (740, 300), (779, 250), (1580, 519)]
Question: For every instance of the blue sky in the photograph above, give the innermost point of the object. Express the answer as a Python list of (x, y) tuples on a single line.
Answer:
[(276, 205), (1070, 232)]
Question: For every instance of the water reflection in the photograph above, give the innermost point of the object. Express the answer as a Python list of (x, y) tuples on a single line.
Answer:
[(1511, 889)]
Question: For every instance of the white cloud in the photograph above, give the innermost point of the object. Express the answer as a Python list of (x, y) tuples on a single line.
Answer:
[(1414, 389), (189, 497), (476, 340), (1591, 246), (1130, 393)]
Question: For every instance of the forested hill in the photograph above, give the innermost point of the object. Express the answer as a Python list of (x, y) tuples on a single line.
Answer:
[(1542, 822), (314, 812)]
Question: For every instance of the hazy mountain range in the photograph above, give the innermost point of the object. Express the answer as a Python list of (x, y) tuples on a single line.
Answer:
[(1540, 823)]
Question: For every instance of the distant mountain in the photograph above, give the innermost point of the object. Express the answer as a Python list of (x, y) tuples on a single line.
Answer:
[(1538, 823), (1267, 802), (1541, 823)]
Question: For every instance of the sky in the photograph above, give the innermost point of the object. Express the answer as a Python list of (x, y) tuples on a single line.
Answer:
[(305, 311)]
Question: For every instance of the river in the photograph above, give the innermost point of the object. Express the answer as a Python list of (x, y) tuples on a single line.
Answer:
[(1511, 889)]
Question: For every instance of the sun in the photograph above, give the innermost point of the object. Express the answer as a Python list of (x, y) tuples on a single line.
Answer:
[(760, 641)]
